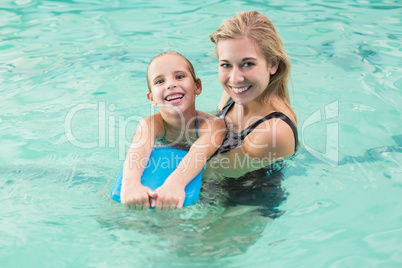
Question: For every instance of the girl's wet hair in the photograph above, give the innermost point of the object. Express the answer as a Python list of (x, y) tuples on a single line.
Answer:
[(170, 52), (261, 31)]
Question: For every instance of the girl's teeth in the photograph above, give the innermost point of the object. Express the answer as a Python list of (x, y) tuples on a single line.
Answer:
[(175, 96), (239, 90)]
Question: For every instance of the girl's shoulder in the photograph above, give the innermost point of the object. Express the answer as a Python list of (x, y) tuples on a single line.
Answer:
[(206, 121), (152, 123), (152, 119)]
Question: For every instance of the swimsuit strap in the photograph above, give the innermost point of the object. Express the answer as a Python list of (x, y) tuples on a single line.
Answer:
[(278, 115), (245, 132), (196, 127), (222, 114), (165, 126)]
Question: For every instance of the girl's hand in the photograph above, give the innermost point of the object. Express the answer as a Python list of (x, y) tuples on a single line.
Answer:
[(170, 196), (137, 195)]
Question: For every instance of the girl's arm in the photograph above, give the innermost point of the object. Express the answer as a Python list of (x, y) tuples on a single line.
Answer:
[(171, 194), (132, 191)]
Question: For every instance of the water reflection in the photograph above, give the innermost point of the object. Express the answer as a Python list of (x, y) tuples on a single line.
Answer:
[(229, 218)]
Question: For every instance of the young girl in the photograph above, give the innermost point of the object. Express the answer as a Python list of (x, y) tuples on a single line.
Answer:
[(172, 86)]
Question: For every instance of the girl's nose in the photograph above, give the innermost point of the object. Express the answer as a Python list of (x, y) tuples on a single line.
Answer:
[(236, 76), (170, 85)]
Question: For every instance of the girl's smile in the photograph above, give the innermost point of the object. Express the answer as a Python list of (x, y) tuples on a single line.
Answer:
[(171, 83), (174, 97)]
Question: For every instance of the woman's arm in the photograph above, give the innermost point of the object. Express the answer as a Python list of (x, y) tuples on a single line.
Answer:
[(171, 194), (132, 191), (266, 144)]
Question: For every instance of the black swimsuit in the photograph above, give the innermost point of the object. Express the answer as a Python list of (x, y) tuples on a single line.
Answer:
[(234, 140), (260, 187)]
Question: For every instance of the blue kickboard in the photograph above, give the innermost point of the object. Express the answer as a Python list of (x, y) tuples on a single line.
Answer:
[(162, 162)]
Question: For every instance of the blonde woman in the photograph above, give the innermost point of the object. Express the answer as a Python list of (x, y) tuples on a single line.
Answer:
[(254, 72), (261, 125)]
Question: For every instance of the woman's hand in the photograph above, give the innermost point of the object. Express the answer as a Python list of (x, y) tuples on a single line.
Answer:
[(170, 196)]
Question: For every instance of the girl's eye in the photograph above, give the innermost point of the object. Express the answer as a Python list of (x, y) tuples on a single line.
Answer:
[(180, 76), (160, 81)]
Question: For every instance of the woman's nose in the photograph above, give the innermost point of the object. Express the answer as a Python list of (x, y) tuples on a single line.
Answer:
[(236, 76)]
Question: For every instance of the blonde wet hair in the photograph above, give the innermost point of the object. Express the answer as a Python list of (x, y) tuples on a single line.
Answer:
[(260, 30), (170, 52)]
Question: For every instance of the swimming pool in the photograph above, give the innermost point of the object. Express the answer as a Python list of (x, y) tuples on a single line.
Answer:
[(72, 78)]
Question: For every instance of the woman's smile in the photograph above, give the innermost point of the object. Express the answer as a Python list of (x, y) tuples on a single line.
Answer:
[(240, 90), (243, 70)]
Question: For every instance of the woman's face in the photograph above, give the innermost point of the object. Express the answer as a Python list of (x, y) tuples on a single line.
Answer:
[(243, 70)]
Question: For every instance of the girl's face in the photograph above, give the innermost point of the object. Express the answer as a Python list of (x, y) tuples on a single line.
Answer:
[(243, 70), (172, 86)]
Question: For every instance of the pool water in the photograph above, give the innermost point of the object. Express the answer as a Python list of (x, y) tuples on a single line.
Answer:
[(72, 76)]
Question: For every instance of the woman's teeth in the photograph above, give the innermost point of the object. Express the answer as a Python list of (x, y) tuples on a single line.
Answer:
[(239, 89)]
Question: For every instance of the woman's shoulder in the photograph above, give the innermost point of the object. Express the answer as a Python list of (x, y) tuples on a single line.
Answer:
[(271, 139), (279, 105), (274, 137), (224, 99)]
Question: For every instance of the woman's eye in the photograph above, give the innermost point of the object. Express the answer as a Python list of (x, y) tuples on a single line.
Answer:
[(225, 65), (248, 64)]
